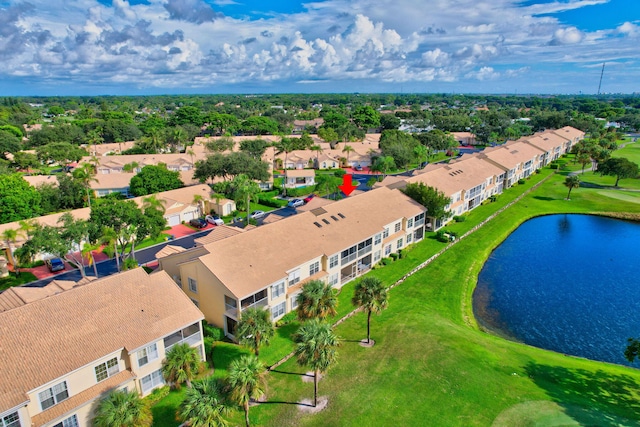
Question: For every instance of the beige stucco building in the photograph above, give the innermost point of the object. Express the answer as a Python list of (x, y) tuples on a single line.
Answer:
[(65, 346)]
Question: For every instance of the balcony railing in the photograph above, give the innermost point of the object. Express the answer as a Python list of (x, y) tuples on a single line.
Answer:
[(191, 340), (258, 304)]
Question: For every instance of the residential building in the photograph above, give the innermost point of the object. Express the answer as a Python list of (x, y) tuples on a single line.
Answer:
[(465, 138), (267, 266), (517, 159), (297, 178), (65, 346)]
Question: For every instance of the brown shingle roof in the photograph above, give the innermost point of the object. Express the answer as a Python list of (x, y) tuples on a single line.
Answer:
[(50, 337)]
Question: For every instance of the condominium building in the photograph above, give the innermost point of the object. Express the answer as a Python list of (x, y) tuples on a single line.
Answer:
[(65, 346)]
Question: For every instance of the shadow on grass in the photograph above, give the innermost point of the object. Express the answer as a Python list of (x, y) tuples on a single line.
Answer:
[(286, 331), (291, 373), (543, 198), (225, 353), (282, 402), (591, 398)]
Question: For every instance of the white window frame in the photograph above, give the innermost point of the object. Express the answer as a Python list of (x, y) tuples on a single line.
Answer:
[(410, 223), (193, 285), (333, 261), (377, 239), (294, 277), (294, 301), (333, 279), (111, 367), (150, 353), (277, 290), (155, 379), (72, 421), (397, 227), (278, 310), (314, 267), (377, 255), (385, 233), (400, 243), (409, 238), (14, 422), (387, 250), (57, 396)]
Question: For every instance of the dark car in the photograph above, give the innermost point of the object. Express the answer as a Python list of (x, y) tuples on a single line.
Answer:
[(309, 198), (54, 264), (198, 223)]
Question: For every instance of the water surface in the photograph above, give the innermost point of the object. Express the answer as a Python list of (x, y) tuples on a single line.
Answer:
[(567, 283)]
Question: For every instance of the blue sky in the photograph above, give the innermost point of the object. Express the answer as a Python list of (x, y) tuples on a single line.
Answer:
[(111, 47)]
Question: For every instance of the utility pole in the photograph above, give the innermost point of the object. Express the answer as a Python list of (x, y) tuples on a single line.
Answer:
[(601, 74)]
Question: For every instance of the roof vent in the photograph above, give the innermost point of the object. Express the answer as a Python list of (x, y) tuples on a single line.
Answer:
[(334, 218), (317, 224), (326, 221), (341, 216), (318, 211)]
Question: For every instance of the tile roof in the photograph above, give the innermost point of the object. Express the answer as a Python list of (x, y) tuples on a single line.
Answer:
[(510, 156), (248, 262), (218, 233), (50, 337)]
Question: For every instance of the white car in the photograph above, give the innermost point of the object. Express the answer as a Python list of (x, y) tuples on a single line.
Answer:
[(295, 203), (214, 220), (256, 214)]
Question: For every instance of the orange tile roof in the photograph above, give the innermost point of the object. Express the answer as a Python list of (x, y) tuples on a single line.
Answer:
[(48, 338)]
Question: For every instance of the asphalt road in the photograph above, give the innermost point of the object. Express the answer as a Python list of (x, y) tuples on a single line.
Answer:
[(106, 268)]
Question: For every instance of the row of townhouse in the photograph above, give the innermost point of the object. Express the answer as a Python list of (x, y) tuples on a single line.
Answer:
[(267, 266), (65, 346), (473, 178)]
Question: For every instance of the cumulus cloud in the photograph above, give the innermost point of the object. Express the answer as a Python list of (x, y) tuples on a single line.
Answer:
[(564, 36), (195, 11), (484, 73)]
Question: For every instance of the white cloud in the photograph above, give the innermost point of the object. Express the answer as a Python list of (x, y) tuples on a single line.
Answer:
[(564, 36), (484, 73)]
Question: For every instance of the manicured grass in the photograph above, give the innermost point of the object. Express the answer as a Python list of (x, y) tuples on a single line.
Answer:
[(164, 412), (631, 151), (12, 280), (432, 365)]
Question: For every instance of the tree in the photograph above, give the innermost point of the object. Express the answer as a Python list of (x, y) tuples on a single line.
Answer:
[(431, 198), (154, 179), (371, 295), (383, 164), (84, 174), (26, 161), (181, 365), (389, 121), (255, 328), (60, 152), (327, 184), (421, 152), (633, 349), (316, 347), (328, 135), (18, 200), (220, 145), (244, 190), (122, 408), (254, 147), (348, 149), (318, 150), (10, 236), (619, 167), (583, 158), (317, 300), (365, 117), (247, 381), (204, 404), (571, 182)]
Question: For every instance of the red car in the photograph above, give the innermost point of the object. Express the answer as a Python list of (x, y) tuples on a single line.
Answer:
[(308, 198)]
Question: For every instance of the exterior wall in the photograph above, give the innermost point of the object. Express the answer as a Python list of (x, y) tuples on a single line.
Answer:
[(210, 292), (170, 264)]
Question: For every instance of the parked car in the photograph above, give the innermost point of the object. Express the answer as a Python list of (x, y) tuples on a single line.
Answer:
[(294, 203), (214, 219), (54, 264), (198, 223), (309, 198), (256, 214), (358, 168)]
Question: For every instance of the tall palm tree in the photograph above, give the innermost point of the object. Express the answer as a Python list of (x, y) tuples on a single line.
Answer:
[(316, 347), (383, 165), (247, 380), (204, 405), (318, 149), (255, 328), (348, 149), (371, 295), (84, 174), (109, 238), (10, 236), (122, 408), (317, 300), (87, 251), (245, 190), (152, 202), (571, 182), (191, 154), (181, 365)]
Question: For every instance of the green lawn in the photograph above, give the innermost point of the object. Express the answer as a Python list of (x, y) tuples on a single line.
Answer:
[(631, 151), (11, 280), (432, 365)]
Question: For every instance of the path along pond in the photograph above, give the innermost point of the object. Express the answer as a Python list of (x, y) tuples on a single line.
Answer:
[(567, 283)]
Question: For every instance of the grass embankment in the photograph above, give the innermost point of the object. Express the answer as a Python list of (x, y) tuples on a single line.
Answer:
[(432, 366)]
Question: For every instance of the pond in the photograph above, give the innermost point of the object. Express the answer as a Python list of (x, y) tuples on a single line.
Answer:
[(567, 283)]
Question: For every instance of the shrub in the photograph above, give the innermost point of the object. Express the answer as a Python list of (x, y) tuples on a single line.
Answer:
[(401, 254), (386, 261), (460, 218), (157, 395), (521, 181), (340, 172), (297, 192), (493, 198), (209, 345), (212, 332), (287, 318), (394, 256), (553, 166)]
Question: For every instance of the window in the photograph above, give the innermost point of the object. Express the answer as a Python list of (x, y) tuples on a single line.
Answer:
[(11, 420), (294, 277), (397, 227), (278, 310), (277, 290), (314, 268), (410, 223), (193, 285), (230, 303), (294, 301), (385, 233), (72, 421), (348, 255), (399, 245), (183, 335), (107, 369), (419, 219), (409, 236), (333, 279), (387, 250), (147, 354), (53, 395), (333, 261), (195, 302), (378, 239), (258, 299), (152, 380), (376, 256)]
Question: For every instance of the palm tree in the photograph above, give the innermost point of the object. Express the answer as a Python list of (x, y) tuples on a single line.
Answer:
[(247, 381), (255, 328), (571, 182), (10, 236), (245, 189), (204, 404), (316, 347), (198, 200), (95, 138), (421, 151), (371, 295), (317, 300), (583, 158), (318, 150), (108, 238), (181, 365), (152, 202), (84, 174), (191, 154), (348, 149), (87, 251), (383, 165), (122, 408)]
